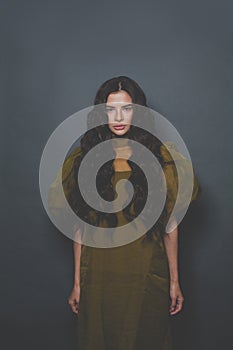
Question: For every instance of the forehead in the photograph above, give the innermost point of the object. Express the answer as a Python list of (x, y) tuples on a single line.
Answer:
[(119, 97)]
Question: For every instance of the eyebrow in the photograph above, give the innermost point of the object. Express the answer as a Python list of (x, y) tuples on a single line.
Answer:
[(127, 105)]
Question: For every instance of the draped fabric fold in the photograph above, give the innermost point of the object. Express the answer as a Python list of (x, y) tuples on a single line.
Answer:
[(124, 300), (67, 174), (190, 190)]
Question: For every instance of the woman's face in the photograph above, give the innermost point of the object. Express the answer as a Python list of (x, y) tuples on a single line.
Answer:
[(119, 110)]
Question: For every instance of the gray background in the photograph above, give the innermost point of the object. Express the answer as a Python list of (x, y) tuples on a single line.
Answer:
[(54, 56)]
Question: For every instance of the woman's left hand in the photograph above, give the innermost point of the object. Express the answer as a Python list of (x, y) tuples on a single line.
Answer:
[(177, 298)]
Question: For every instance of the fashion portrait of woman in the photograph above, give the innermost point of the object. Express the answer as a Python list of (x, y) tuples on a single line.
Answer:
[(125, 296)]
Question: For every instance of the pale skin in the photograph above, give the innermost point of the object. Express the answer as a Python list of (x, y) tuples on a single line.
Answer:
[(120, 112)]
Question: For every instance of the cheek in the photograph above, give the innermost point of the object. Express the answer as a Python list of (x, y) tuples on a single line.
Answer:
[(111, 128), (129, 119), (110, 120)]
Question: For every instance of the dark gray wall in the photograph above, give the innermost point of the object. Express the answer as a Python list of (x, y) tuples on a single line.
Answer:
[(54, 55)]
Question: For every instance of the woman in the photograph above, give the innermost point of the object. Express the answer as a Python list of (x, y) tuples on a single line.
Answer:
[(123, 296)]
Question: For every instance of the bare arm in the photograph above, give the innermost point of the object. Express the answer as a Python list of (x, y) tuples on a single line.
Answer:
[(171, 245), (77, 255), (75, 294)]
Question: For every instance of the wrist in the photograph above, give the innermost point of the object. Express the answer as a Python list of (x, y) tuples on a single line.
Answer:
[(174, 280), (76, 285)]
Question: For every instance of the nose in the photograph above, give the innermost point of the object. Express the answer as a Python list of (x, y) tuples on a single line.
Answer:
[(119, 115)]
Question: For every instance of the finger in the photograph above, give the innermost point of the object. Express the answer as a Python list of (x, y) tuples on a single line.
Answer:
[(173, 303), (176, 310), (178, 307), (75, 309), (74, 305)]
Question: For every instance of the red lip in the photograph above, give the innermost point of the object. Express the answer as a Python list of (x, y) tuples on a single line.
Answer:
[(121, 126)]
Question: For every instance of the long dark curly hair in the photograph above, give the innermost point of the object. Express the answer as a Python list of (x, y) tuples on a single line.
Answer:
[(98, 131)]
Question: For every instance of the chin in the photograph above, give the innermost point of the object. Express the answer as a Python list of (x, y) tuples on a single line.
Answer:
[(120, 133)]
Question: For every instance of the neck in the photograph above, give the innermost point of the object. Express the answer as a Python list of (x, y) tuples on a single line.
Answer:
[(120, 164)]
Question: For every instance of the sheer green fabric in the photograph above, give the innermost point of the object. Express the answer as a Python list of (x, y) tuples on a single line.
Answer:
[(124, 298), (188, 194), (66, 172), (124, 301)]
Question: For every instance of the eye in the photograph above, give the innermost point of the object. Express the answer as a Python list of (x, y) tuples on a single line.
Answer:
[(128, 108), (109, 109)]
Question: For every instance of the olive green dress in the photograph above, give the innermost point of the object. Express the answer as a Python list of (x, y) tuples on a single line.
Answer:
[(124, 301)]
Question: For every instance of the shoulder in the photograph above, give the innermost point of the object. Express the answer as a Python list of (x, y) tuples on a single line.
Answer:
[(69, 161), (77, 151), (170, 153), (173, 160)]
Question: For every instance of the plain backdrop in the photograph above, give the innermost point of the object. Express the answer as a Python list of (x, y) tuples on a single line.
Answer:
[(54, 56)]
